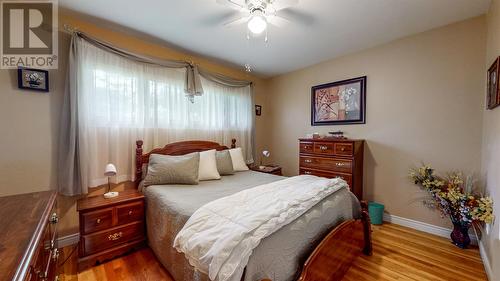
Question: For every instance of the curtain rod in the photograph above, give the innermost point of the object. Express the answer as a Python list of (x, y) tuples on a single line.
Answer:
[(69, 29)]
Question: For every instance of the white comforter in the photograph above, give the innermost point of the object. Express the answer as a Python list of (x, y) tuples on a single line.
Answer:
[(219, 238)]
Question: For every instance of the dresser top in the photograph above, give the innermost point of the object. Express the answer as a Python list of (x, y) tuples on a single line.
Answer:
[(22, 220), (331, 139), (95, 202)]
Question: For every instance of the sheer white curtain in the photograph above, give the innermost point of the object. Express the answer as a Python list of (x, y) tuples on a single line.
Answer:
[(122, 101)]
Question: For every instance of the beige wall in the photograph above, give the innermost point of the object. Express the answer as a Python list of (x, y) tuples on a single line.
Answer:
[(491, 144), (30, 120), (424, 104), (30, 126)]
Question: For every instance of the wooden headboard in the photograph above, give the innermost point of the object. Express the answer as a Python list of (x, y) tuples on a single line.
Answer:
[(175, 148)]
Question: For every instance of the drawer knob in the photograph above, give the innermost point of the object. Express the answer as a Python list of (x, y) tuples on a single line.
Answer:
[(342, 149), (323, 147), (54, 218), (307, 172), (115, 236), (338, 164), (55, 255), (308, 161), (130, 213), (98, 221)]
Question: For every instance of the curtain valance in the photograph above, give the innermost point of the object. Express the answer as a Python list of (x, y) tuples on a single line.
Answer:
[(192, 86)]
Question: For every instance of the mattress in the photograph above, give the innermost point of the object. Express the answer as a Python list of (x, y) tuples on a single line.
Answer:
[(279, 256)]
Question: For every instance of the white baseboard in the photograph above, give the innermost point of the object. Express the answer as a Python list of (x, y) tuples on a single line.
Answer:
[(486, 261), (68, 240), (422, 226)]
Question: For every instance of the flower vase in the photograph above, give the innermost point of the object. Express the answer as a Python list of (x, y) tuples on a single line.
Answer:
[(460, 235)]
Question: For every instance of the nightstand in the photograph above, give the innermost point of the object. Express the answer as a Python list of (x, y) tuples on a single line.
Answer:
[(268, 169), (110, 227)]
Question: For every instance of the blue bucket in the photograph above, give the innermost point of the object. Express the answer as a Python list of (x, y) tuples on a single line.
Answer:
[(376, 211)]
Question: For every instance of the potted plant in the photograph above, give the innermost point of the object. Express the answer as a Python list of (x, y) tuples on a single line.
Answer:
[(455, 198)]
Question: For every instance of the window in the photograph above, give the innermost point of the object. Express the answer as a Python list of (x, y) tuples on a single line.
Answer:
[(121, 101)]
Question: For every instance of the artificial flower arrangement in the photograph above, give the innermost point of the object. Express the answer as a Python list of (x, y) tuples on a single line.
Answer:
[(454, 197)]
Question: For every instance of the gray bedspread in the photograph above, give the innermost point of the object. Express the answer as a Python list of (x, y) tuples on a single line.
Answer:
[(278, 256)]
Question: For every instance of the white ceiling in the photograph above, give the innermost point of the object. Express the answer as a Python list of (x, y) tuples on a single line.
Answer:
[(320, 29)]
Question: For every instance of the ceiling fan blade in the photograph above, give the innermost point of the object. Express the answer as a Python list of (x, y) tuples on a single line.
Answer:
[(283, 4), (237, 21), (217, 19), (277, 21), (298, 16), (232, 4)]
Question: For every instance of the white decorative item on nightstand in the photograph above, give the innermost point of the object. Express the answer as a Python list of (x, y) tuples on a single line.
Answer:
[(110, 172)]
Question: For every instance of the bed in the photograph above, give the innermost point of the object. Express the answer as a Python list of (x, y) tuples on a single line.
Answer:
[(319, 245)]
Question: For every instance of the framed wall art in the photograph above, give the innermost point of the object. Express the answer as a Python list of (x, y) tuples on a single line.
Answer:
[(339, 103), (33, 79), (258, 110), (493, 94)]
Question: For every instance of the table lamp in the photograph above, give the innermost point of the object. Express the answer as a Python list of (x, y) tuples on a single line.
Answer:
[(110, 172), (266, 154)]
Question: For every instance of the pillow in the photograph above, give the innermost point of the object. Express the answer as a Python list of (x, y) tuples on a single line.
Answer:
[(224, 162), (238, 162), (166, 169), (208, 166)]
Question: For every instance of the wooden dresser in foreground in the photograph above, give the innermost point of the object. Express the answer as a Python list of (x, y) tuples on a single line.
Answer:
[(333, 157), (110, 227), (28, 237)]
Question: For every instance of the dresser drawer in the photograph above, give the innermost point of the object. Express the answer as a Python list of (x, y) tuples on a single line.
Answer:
[(102, 240), (323, 163), (306, 147), (130, 212), (326, 148), (97, 220), (346, 149), (346, 177), (44, 264)]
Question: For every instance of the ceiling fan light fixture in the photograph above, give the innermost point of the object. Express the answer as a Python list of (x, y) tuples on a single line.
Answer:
[(257, 23)]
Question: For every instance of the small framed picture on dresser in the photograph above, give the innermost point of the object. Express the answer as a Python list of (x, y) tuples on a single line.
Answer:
[(493, 94), (339, 103)]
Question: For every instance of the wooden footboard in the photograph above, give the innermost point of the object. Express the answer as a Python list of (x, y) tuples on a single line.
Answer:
[(334, 255)]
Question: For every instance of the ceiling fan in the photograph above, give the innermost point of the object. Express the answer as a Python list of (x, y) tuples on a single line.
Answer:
[(258, 13)]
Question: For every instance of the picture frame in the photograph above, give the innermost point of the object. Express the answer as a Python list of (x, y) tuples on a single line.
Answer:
[(258, 110), (339, 103), (493, 88), (33, 79)]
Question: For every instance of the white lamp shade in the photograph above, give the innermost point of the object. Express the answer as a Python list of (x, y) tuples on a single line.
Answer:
[(110, 170), (266, 153)]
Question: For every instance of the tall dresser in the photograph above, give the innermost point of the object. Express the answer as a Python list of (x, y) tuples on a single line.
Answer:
[(333, 157)]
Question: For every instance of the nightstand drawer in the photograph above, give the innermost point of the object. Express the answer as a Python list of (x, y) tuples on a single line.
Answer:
[(130, 212), (97, 220), (102, 240)]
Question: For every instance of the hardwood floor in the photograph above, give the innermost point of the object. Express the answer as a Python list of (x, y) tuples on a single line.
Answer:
[(399, 253)]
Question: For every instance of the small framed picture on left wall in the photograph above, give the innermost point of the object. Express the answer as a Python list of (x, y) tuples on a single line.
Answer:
[(33, 79)]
